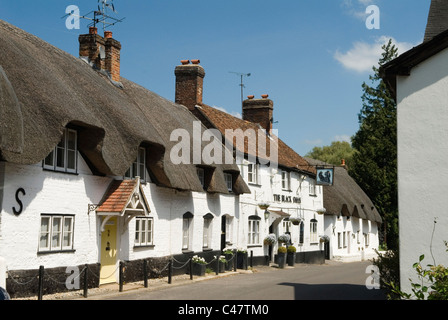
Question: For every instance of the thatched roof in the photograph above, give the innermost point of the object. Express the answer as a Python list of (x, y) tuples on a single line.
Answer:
[(287, 157), (43, 89), (345, 197)]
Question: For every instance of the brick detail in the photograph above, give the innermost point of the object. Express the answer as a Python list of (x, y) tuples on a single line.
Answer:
[(259, 111), (91, 45), (189, 85)]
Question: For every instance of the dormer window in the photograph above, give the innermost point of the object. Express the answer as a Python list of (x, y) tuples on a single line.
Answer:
[(229, 181), (201, 176), (64, 157), (138, 168)]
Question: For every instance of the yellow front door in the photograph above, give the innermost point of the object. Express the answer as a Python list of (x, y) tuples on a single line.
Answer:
[(109, 270)]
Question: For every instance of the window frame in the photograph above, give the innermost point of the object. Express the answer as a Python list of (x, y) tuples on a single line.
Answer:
[(253, 232), (252, 173), (313, 231), (61, 233), (229, 181), (64, 146), (286, 180), (207, 231), (138, 166), (140, 230), (187, 225)]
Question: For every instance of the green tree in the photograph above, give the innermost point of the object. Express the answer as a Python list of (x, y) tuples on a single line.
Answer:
[(334, 153), (374, 164)]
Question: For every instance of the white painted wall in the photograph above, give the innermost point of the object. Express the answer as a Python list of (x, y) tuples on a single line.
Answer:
[(422, 164)]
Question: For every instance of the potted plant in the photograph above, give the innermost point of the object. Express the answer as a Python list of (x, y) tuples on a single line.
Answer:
[(241, 258), (291, 255), (222, 264), (270, 240), (228, 255), (281, 257), (199, 265)]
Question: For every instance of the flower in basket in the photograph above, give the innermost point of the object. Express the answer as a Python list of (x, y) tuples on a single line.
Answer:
[(271, 239), (284, 238), (198, 260), (222, 259), (321, 211), (240, 250), (324, 238), (263, 205)]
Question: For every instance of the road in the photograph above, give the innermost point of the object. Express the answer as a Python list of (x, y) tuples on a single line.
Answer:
[(332, 281)]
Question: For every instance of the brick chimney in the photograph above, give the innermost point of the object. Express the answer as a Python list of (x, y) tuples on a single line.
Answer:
[(189, 83), (103, 53), (259, 111)]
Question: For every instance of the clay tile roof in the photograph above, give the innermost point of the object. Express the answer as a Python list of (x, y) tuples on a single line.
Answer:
[(117, 196), (287, 157)]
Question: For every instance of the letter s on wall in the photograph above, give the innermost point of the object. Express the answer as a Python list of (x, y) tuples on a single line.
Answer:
[(18, 212)]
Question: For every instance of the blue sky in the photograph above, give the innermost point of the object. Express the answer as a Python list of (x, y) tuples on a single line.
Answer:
[(310, 56)]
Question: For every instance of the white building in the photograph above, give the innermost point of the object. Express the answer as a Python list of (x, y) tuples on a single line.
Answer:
[(275, 173), (86, 176), (352, 222), (418, 79)]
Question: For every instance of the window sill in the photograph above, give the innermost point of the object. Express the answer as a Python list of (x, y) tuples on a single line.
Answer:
[(144, 246), (254, 245), (254, 184), (60, 171), (207, 249), (186, 251), (56, 251)]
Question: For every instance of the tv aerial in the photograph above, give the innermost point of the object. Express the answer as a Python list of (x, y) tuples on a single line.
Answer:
[(101, 16), (242, 75)]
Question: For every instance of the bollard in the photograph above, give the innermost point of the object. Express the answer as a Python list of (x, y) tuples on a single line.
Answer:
[(145, 273), (170, 271), (217, 266), (120, 276), (86, 281), (251, 258), (235, 260), (40, 288)]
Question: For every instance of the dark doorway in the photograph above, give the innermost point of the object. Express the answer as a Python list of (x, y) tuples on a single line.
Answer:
[(223, 232)]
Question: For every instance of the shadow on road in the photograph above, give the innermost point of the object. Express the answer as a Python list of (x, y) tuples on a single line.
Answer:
[(334, 292)]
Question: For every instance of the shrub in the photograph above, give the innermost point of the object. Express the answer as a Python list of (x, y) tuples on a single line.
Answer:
[(291, 249), (281, 250)]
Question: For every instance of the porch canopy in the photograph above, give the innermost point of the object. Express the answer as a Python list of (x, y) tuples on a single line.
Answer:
[(124, 198)]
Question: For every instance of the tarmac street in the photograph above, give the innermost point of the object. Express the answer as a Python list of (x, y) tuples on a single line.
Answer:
[(331, 281)]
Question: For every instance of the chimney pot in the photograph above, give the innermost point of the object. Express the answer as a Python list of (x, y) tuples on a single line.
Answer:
[(108, 34), (93, 30), (265, 96), (196, 61), (185, 62), (251, 97)]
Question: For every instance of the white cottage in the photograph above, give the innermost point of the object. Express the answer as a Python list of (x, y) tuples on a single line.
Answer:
[(86, 178), (283, 185), (418, 80), (352, 222)]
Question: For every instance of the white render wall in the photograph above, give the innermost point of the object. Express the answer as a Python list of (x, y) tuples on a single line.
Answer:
[(50, 192), (422, 165), (270, 183), (355, 231)]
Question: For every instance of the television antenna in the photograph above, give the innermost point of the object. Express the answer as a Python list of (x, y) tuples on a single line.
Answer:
[(100, 16), (242, 75)]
